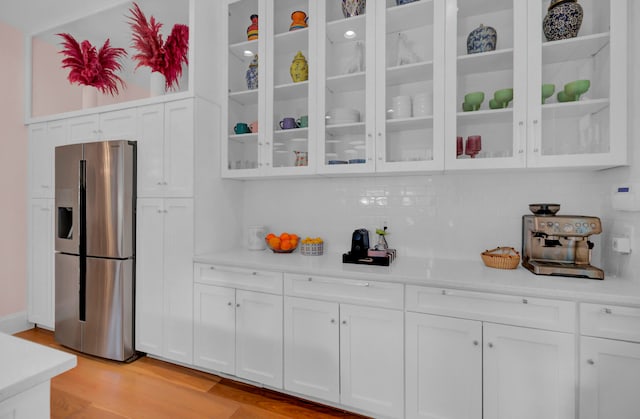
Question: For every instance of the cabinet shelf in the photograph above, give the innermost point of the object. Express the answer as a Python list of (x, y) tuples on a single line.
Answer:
[(238, 49), (574, 109), (291, 91), (467, 8), (337, 28), (245, 97), (409, 124), (416, 72), (297, 40), (409, 16), (289, 134), (483, 62), (345, 129), (485, 116), (244, 138), (573, 48), (346, 82)]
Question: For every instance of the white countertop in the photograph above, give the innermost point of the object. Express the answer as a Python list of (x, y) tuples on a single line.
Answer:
[(24, 364), (458, 274)]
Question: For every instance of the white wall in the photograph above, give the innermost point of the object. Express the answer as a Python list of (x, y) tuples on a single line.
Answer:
[(452, 215)]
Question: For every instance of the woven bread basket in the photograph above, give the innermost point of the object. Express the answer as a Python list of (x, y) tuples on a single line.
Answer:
[(501, 258)]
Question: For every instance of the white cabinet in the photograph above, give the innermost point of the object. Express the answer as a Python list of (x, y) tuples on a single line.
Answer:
[(466, 366), (166, 141), (164, 272), (443, 367), (40, 263), (589, 132), (238, 331), (114, 125), (43, 138), (528, 373), (343, 352), (273, 149), (609, 361)]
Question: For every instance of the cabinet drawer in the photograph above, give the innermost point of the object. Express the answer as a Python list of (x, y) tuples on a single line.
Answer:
[(378, 294), (252, 280), (607, 321), (498, 308)]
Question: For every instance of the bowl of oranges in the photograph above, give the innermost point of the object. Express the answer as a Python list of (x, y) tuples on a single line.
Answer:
[(284, 243)]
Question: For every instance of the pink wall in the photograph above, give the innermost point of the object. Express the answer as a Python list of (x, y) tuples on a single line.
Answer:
[(13, 175)]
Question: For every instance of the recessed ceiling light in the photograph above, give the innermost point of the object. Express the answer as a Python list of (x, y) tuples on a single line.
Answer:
[(349, 34), (248, 53)]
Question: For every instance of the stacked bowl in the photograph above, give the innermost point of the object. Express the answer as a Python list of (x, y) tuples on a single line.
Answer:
[(342, 116)]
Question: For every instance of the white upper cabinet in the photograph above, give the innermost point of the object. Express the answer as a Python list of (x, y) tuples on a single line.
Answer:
[(271, 114), (587, 130)]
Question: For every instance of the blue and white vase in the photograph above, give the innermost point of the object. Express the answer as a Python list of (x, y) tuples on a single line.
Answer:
[(252, 74), (401, 2), (353, 7), (563, 20), (482, 39)]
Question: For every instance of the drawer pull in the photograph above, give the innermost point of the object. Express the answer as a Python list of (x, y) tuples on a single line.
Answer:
[(525, 301), (238, 305), (212, 268), (476, 343), (590, 361), (356, 284), (362, 284), (344, 322), (444, 292), (333, 321), (309, 279), (254, 273), (607, 311), (490, 345), (229, 304)]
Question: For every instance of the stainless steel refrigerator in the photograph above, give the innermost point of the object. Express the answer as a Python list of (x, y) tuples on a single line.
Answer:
[(95, 247)]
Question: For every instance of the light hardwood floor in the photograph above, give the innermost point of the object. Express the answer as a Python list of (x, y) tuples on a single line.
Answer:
[(149, 388)]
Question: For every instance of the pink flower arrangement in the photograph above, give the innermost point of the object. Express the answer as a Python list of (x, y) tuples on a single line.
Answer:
[(90, 67), (162, 57)]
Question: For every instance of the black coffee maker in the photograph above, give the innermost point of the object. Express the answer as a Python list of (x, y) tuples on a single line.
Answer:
[(360, 242)]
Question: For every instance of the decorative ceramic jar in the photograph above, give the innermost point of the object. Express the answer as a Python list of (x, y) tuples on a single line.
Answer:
[(482, 39), (299, 68), (252, 30), (252, 74), (563, 20), (353, 7), (298, 20)]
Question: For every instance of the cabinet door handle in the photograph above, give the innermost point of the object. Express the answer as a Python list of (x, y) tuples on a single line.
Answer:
[(362, 284), (212, 268), (536, 143), (344, 322), (607, 310), (238, 305), (590, 361), (333, 321), (254, 273), (44, 186), (476, 343), (525, 301), (159, 183), (444, 292), (490, 345), (229, 303)]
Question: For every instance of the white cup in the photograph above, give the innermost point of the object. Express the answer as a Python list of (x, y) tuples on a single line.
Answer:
[(423, 104)]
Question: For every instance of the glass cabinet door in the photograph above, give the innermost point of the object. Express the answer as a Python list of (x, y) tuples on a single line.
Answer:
[(486, 84), (291, 116), (245, 80), (346, 91), (580, 117), (410, 86)]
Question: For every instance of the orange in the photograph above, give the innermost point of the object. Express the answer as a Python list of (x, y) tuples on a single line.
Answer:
[(284, 236), (269, 236), (294, 242), (274, 242), (285, 245), (294, 237)]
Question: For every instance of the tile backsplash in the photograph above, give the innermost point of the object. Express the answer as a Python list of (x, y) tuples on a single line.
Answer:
[(453, 216)]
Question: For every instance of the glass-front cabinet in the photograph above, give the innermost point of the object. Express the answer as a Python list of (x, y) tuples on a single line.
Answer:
[(521, 92), (271, 112), (422, 86)]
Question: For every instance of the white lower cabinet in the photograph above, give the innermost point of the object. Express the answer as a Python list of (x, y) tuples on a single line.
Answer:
[(345, 353), (444, 367), (238, 331), (40, 307), (609, 362), (464, 365), (164, 275)]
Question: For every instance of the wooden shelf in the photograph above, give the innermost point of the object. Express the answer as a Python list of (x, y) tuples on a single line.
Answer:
[(409, 16), (346, 82), (409, 124), (484, 62), (238, 49), (289, 134), (297, 40), (410, 73), (250, 138), (573, 48), (291, 91), (574, 109), (245, 97), (485, 116), (345, 129), (337, 28)]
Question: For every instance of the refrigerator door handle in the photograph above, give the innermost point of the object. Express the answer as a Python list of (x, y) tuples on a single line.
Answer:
[(82, 306)]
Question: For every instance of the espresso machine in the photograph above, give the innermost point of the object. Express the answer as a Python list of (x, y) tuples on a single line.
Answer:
[(559, 244)]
